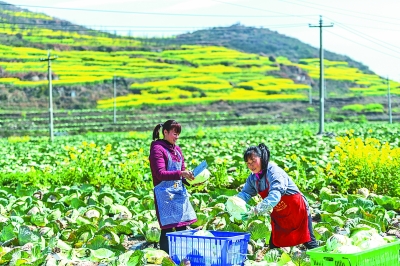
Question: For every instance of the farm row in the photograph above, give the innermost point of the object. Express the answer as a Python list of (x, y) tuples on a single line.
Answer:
[(190, 75), (74, 122), (88, 197), (295, 147)]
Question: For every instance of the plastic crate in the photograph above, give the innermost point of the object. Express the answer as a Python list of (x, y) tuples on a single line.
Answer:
[(387, 255), (223, 249)]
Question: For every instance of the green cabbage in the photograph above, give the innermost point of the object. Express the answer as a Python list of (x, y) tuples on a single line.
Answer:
[(336, 241), (323, 232), (368, 244), (200, 178), (348, 249), (152, 232), (272, 255), (360, 236), (154, 256), (376, 240), (203, 233), (236, 207), (258, 263), (258, 230), (366, 239), (331, 206), (360, 240)]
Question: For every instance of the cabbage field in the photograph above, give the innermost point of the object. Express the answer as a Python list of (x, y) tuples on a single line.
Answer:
[(87, 200)]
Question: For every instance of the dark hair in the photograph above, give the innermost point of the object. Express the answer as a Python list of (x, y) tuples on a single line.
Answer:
[(168, 125), (260, 151)]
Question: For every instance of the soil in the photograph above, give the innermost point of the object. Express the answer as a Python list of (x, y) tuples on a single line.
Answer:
[(296, 111), (221, 113)]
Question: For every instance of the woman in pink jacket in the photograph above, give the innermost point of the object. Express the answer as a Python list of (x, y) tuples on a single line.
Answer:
[(173, 208)]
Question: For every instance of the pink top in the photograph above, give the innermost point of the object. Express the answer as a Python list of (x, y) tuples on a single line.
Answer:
[(158, 163)]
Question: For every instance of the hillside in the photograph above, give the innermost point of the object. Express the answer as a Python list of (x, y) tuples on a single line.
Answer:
[(242, 68), (238, 37), (259, 41), (21, 21)]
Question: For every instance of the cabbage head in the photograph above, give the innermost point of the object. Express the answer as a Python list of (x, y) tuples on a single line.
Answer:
[(203, 233), (259, 263), (272, 255), (200, 178), (236, 207), (331, 206), (366, 239), (258, 230), (360, 236), (152, 232), (376, 240), (348, 249), (154, 256), (336, 241)]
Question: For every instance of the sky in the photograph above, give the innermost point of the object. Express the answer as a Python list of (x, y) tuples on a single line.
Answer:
[(365, 30)]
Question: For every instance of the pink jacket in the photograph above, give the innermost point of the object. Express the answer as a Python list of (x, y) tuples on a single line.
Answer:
[(158, 161)]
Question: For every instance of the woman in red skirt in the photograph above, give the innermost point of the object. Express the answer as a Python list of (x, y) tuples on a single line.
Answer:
[(290, 218)]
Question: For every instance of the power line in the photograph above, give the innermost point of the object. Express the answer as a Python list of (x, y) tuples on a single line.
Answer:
[(133, 29), (363, 45), (347, 10), (140, 13), (112, 27), (171, 29), (352, 13), (259, 9), (145, 27), (369, 38), (368, 27)]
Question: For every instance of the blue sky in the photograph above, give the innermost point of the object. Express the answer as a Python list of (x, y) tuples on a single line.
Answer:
[(366, 31)]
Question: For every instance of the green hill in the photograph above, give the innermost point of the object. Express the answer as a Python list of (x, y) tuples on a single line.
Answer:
[(259, 41), (244, 65)]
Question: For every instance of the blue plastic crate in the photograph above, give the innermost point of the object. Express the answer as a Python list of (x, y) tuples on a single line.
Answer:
[(223, 249)]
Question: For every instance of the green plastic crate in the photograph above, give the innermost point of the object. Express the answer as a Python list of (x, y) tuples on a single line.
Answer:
[(387, 255)]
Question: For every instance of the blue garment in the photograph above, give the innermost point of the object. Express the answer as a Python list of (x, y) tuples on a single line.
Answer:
[(279, 184), (172, 198)]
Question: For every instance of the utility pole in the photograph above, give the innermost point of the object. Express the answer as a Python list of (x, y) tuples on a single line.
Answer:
[(321, 75), (115, 100), (389, 102), (49, 59)]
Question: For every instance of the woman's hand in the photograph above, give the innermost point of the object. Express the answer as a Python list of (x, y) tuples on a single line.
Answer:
[(188, 175)]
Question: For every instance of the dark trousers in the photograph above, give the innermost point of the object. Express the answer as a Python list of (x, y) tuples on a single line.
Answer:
[(164, 239), (309, 245)]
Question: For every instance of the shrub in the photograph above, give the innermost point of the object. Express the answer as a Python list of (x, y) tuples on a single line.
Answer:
[(365, 163), (374, 107), (353, 107)]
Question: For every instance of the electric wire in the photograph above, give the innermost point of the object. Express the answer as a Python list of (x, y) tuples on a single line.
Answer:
[(352, 13), (259, 9), (362, 45), (151, 27), (92, 28), (368, 37), (369, 27), (139, 12), (169, 29)]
